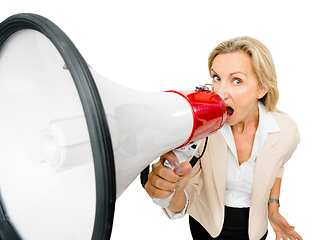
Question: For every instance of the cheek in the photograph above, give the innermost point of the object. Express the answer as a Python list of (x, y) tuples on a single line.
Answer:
[(244, 100)]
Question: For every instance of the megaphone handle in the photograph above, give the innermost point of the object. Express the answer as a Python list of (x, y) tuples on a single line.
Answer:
[(182, 154)]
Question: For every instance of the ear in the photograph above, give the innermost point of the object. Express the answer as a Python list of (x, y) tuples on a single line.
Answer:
[(262, 91)]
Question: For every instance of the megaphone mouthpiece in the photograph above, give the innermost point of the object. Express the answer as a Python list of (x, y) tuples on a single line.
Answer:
[(209, 112)]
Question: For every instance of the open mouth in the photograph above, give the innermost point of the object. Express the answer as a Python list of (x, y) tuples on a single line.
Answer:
[(229, 112)]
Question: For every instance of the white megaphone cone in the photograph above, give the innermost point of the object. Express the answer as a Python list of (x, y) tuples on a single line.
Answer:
[(72, 141), (145, 125)]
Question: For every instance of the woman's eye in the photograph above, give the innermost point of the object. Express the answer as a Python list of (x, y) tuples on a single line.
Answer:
[(216, 78), (237, 82)]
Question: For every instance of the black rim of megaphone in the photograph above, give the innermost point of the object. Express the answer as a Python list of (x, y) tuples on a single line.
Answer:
[(95, 117)]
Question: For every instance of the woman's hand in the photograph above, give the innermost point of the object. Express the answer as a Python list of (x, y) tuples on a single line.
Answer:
[(281, 227), (162, 181)]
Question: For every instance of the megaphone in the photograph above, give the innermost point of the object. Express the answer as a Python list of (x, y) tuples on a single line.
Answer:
[(72, 141)]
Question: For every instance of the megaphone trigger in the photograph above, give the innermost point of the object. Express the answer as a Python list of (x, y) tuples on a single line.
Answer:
[(184, 153)]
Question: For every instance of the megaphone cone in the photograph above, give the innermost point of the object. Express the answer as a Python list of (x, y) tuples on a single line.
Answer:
[(72, 141)]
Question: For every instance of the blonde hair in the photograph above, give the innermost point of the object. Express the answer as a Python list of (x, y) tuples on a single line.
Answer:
[(262, 63)]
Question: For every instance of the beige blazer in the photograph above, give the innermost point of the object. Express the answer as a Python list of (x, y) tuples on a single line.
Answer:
[(207, 186)]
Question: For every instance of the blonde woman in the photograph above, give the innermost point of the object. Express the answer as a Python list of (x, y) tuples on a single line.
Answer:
[(234, 189)]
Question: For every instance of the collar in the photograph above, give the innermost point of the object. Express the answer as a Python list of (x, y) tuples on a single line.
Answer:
[(267, 124)]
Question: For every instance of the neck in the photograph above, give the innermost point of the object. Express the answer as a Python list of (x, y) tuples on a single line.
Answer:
[(250, 123)]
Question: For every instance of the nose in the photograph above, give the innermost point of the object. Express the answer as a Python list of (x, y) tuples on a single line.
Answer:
[(222, 90)]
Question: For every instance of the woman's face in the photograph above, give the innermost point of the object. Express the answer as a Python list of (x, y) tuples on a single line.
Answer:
[(233, 77)]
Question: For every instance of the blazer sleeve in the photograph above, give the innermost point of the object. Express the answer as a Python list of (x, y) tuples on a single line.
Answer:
[(290, 140)]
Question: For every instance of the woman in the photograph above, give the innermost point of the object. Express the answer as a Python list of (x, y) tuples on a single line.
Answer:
[(234, 188)]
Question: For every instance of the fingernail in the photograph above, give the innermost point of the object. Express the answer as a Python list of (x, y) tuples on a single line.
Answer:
[(179, 170), (176, 163)]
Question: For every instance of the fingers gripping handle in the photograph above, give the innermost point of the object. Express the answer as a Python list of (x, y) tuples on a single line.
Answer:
[(164, 202), (182, 154)]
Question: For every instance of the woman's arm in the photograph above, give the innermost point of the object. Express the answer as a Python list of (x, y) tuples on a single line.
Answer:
[(275, 194), (279, 224)]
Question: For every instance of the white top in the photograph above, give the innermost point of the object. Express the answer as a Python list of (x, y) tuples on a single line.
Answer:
[(240, 178)]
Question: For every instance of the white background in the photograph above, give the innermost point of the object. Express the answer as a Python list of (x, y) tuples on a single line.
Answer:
[(162, 45)]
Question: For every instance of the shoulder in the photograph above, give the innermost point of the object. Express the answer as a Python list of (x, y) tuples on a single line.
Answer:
[(289, 129), (284, 121)]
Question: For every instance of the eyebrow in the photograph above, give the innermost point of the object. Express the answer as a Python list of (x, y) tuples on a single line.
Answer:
[(211, 69), (237, 73)]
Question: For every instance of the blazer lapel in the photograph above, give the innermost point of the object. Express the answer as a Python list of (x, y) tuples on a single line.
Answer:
[(219, 164), (264, 168), (265, 164)]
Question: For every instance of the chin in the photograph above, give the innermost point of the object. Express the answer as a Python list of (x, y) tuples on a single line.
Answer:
[(231, 121)]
